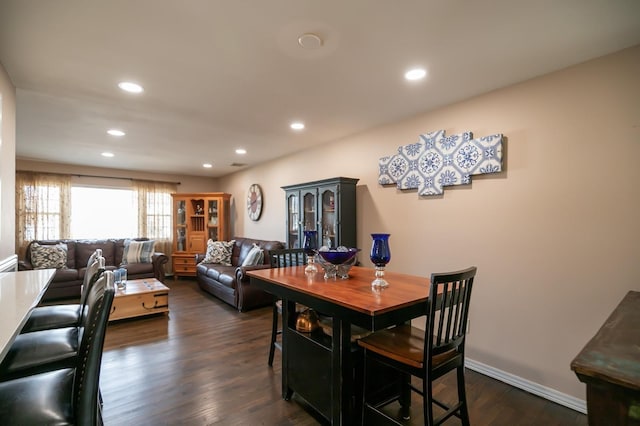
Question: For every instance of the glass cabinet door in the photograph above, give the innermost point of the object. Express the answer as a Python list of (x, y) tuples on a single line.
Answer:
[(309, 203), (293, 221), (213, 220), (329, 229), (181, 224)]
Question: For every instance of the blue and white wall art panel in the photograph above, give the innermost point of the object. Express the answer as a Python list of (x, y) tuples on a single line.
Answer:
[(437, 160)]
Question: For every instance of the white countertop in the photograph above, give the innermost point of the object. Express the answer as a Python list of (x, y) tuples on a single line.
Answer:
[(19, 293)]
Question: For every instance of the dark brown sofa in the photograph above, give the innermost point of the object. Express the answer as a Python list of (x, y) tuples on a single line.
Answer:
[(231, 283), (67, 281)]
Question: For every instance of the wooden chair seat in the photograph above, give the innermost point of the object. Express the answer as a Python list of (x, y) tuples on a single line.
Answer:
[(404, 344)]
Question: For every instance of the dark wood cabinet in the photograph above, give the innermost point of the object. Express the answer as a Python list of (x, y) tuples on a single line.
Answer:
[(609, 365), (327, 206)]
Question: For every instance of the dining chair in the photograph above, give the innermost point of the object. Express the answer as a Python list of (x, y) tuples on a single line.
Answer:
[(279, 259), (427, 354), (69, 395), (67, 315), (51, 349)]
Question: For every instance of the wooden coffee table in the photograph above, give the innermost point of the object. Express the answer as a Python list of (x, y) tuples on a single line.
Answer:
[(142, 297)]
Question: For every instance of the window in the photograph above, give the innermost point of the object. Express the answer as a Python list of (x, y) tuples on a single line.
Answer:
[(48, 207), (103, 213), (158, 215), (42, 205)]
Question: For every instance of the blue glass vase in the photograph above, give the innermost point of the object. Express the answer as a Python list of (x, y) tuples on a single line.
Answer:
[(380, 256), (310, 247)]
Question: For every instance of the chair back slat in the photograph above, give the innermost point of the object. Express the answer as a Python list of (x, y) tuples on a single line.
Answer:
[(447, 312), (94, 269), (92, 329), (287, 257)]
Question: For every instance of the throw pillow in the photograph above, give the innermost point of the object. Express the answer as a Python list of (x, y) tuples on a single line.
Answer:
[(219, 252), (254, 257), (138, 251), (49, 256)]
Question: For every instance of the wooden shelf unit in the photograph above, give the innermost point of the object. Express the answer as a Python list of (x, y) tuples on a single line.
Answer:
[(197, 217)]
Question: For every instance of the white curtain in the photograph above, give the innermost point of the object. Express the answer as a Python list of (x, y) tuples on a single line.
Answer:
[(43, 208), (154, 213)]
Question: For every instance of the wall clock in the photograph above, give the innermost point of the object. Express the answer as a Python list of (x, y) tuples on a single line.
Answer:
[(254, 202)]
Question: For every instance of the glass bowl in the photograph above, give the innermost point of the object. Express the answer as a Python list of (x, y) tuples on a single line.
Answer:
[(337, 263), (338, 257)]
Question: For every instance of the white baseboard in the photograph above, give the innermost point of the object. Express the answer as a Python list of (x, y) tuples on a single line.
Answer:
[(9, 264), (569, 401)]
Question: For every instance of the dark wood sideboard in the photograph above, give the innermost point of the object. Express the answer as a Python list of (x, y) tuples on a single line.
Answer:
[(610, 367)]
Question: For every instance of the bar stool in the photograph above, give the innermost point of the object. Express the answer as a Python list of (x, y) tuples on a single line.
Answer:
[(279, 259), (69, 395), (427, 354), (46, 350), (68, 315)]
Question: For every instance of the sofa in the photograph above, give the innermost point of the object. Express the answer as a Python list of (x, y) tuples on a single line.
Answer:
[(231, 283), (67, 281)]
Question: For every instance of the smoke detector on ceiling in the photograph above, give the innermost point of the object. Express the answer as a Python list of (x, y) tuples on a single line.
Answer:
[(310, 41)]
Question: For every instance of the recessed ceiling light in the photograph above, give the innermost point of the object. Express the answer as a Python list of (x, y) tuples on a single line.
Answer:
[(116, 132), (207, 165), (107, 154), (241, 151), (297, 125), (310, 41), (130, 87), (415, 74)]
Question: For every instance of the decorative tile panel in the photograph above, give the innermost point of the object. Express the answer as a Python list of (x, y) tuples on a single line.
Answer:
[(437, 160)]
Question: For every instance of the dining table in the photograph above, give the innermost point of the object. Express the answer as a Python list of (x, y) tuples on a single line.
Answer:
[(20, 292), (319, 366)]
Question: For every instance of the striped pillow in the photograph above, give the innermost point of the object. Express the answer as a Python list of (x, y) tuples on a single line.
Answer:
[(138, 251)]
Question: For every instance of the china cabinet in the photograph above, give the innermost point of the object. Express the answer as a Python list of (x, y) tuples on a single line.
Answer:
[(327, 206), (197, 218)]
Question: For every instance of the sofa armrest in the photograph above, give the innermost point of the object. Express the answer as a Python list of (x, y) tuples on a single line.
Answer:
[(23, 265), (159, 260), (241, 272)]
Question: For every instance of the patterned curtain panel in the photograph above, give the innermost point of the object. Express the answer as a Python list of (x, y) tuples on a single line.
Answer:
[(154, 213), (43, 208)]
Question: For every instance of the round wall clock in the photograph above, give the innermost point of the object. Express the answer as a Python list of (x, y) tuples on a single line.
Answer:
[(254, 202)]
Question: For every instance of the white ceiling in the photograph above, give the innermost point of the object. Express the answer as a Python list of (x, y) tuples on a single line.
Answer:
[(224, 74)]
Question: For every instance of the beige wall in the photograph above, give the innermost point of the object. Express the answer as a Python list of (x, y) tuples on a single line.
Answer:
[(7, 164), (556, 237)]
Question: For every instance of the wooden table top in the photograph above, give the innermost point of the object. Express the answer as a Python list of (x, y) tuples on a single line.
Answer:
[(143, 285), (613, 354), (354, 293), (20, 292)]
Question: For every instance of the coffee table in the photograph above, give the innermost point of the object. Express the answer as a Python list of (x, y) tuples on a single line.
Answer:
[(141, 297)]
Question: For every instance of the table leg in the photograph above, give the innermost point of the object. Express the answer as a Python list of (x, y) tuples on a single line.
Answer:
[(405, 396), (342, 374), (287, 309)]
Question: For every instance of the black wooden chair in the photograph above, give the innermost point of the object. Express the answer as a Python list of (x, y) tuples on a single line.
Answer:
[(278, 259), (67, 396), (67, 315), (51, 349), (427, 354)]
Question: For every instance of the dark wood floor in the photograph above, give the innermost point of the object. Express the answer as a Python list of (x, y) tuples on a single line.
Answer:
[(206, 364)]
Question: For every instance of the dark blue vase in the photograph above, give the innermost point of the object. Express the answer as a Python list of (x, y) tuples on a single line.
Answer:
[(380, 256), (310, 247)]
